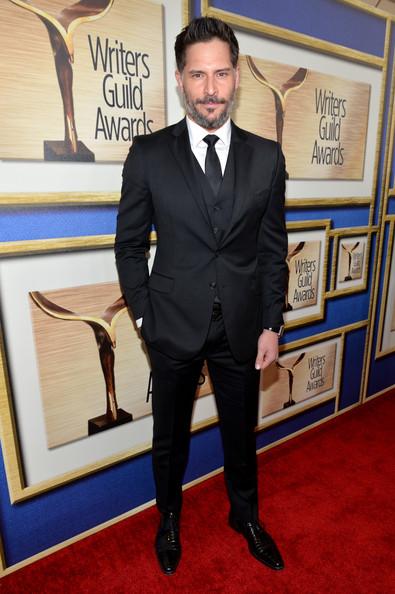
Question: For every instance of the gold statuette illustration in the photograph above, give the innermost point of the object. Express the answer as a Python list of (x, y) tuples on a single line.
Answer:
[(349, 252), (291, 373), (104, 331), (387, 5), (280, 94), (60, 29)]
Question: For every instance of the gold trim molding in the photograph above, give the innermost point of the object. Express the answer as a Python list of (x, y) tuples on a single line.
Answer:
[(290, 36)]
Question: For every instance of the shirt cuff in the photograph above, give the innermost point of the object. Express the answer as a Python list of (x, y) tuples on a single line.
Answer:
[(139, 322)]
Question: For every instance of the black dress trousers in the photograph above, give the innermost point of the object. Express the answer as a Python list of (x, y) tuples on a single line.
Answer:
[(236, 387)]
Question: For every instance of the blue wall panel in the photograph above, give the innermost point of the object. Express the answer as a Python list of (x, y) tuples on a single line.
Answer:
[(42, 223), (296, 423), (381, 374), (36, 524), (391, 206), (342, 216), (326, 19), (340, 311), (385, 131), (352, 367)]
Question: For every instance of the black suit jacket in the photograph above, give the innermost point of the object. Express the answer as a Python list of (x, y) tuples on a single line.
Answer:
[(160, 187)]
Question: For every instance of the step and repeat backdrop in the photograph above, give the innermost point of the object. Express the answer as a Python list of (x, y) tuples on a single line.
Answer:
[(81, 80)]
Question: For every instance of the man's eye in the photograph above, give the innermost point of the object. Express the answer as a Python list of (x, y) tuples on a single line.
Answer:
[(222, 74), (197, 75)]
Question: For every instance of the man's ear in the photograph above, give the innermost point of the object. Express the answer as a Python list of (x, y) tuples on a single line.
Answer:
[(237, 76), (179, 80)]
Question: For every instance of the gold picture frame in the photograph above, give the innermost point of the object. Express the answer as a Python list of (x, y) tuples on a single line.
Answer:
[(360, 239), (305, 376), (307, 271), (67, 187), (385, 343), (74, 262), (298, 40), (379, 8)]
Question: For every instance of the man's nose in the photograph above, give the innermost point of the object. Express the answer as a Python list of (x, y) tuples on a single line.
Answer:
[(211, 85)]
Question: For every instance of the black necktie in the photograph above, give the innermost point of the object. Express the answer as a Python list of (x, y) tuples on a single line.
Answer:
[(212, 166)]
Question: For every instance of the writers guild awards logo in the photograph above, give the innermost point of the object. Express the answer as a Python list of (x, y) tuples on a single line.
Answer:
[(280, 94), (104, 331), (289, 258), (291, 372), (350, 253), (60, 29)]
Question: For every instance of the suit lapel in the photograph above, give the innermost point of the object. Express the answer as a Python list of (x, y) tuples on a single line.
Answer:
[(242, 157), (182, 151), (228, 183), (240, 152)]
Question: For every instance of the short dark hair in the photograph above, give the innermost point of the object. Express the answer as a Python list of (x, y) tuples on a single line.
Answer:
[(205, 29)]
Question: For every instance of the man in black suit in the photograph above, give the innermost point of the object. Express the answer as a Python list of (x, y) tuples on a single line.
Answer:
[(215, 195)]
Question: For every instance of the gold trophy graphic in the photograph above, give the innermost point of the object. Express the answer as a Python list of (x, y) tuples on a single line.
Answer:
[(289, 258), (60, 29), (104, 331), (291, 373), (280, 94), (349, 253)]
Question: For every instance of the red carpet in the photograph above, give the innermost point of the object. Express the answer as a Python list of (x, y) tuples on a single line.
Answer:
[(328, 499)]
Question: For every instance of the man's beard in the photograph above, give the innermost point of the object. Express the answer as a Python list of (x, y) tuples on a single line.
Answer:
[(203, 120)]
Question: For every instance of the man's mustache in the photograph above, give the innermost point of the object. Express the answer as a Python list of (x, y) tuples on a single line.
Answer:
[(207, 100)]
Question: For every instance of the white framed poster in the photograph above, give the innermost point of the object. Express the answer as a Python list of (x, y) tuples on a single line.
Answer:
[(302, 378), (119, 82), (72, 354)]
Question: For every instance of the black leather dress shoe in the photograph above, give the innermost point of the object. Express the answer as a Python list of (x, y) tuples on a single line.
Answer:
[(167, 544), (260, 543)]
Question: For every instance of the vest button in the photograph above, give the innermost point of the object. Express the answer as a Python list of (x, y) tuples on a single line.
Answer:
[(213, 285)]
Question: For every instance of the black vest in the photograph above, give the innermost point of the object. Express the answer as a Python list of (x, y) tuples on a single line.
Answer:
[(220, 207)]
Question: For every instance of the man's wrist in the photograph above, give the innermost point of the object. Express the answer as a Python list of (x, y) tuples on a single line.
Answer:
[(279, 330)]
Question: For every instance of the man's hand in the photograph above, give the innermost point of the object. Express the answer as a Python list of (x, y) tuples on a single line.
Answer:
[(267, 349)]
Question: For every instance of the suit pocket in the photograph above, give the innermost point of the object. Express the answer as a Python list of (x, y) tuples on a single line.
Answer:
[(160, 282)]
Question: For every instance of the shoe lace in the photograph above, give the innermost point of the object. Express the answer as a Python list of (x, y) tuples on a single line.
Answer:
[(255, 536), (172, 538)]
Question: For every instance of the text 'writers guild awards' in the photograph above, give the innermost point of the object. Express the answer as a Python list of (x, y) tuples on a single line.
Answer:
[(60, 28), (104, 331), (290, 256)]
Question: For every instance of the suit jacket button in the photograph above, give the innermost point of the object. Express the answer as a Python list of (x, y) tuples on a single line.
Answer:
[(213, 285)]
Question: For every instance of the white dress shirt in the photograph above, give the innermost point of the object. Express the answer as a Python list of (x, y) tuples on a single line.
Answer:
[(199, 148)]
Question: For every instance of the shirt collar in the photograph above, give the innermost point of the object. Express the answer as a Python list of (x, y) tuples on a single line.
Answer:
[(197, 133)]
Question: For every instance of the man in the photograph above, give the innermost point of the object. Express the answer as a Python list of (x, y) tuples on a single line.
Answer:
[(215, 194)]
